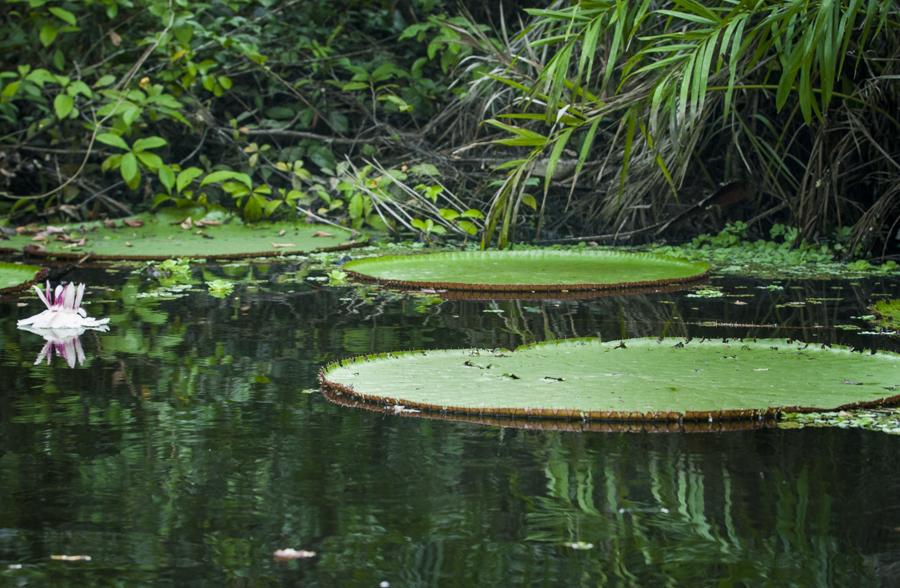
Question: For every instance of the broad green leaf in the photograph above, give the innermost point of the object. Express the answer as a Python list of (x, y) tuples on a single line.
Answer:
[(161, 237), (63, 15), (113, 141), (226, 175), (17, 276), (63, 105), (545, 270), (469, 227), (129, 168), (167, 177), (186, 176), (148, 143), (48, 34), (151, 161), (645, 379)]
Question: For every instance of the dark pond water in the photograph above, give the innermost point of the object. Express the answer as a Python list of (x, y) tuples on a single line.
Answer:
[(192, 444)]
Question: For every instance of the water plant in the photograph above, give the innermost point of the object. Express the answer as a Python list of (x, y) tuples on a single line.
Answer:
[(532, 270), (153, 237), (63, 311), (887, 313), (18, 276), (635, 379)]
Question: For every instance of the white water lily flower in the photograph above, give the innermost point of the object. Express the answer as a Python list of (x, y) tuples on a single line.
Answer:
[(63, 310)]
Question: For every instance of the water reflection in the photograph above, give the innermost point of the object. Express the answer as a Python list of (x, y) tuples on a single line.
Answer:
[(64, 343), (186, 451)]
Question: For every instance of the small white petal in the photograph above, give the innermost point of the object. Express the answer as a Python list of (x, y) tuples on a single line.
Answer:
[(69, 296), (41, 295)]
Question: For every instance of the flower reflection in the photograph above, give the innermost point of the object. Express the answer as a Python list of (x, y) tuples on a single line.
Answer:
[(62, 324), (64, 343)]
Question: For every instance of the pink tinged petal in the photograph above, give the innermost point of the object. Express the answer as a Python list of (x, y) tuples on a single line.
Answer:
[(42, 297), (57, 295), (79, 294), (43, 354)]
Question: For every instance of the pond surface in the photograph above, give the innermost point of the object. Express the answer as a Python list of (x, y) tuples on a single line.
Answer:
[(193, 443)]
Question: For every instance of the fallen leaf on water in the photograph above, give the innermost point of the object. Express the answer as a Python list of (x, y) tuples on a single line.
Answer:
[(322, 234), (40, 237), (207, 223), (290, 553), (187, 224), (109, 224), (281, 233), (128, 244), (282, 245), (133, 222), (71, 557)]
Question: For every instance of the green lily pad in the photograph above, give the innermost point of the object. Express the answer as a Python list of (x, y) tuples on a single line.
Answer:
[(149, 237), (637, 379), (526, 271), (17, 276)]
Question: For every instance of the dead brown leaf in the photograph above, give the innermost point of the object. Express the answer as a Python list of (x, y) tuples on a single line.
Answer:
[(322, 234), (282, 245), (187, 224), (133, 222)]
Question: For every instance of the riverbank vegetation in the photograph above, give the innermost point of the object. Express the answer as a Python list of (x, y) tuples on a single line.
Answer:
[(614, 122)]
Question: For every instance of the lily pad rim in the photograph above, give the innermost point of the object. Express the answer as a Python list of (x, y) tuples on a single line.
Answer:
[(531, 423), (563, 287), (41, 273), (771, 413)]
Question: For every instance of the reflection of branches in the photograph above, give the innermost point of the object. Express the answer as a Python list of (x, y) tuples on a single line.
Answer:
[(687, 521)]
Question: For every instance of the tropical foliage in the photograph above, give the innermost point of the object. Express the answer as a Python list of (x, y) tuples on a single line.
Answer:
[(652, 103), (420, 116)]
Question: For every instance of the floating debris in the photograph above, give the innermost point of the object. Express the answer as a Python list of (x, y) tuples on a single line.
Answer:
[(290, 553)]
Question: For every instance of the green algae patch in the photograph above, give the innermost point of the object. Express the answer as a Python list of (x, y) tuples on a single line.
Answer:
[(148, 237), (633, 380), (18, 276), (526, 271), (887, 314), (880, 421)]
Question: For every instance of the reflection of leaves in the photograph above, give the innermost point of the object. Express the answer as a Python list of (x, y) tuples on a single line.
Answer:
[(129, 333)]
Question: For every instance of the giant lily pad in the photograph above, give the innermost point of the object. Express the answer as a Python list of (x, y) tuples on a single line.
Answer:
[(638, 379), (148, 237), (17, 276), (526, 271)]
